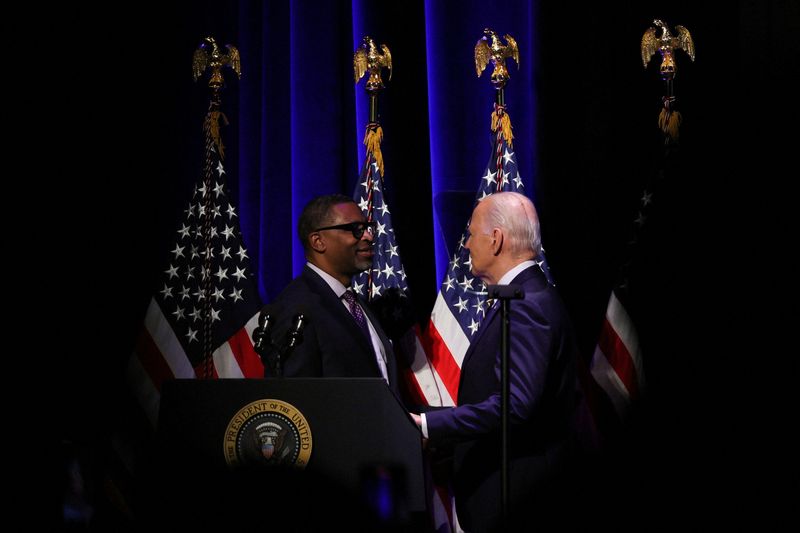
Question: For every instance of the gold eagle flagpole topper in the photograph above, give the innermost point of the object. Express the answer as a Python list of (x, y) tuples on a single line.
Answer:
[(367, 58), (490, 48), (209, 56), (668, 120)]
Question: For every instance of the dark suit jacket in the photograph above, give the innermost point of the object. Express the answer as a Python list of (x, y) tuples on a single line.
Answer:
[(543, 386), (333, 345)]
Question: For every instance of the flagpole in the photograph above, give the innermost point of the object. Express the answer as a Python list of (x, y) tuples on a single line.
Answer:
[(496, 292), (373, 107), (618, 347), (490, 49), (368, 59), (669, 119), (209, 56), (666, 44)]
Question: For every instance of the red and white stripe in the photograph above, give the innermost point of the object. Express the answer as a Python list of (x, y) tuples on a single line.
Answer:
[(158, 355), (434, 376), (440, 350), (616, 364)]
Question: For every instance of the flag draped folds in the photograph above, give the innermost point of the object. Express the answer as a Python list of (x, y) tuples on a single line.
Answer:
[(385, 286), (461, 303), (616, 366), (200, 320)]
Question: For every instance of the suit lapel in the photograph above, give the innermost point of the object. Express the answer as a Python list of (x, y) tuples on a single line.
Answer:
[(485, 324), (529, 274), (336, 309)]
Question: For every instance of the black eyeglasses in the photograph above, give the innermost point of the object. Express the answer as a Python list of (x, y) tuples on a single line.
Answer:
[(357, 228)]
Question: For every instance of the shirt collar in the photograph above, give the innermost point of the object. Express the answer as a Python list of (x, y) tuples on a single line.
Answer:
[(335, 285), (509, 276)]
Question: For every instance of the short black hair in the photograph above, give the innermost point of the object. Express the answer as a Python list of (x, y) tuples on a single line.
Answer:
[(317, 214)]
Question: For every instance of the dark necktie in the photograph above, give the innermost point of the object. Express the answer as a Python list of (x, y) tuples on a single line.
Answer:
[(361, 320), (357, 312)]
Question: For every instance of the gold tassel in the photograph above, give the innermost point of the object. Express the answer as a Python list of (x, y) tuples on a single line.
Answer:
[(504, 122), (669, 122), (212, 124), (372, 140)]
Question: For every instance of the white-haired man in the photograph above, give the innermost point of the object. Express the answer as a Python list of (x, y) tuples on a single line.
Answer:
[(504, 242)]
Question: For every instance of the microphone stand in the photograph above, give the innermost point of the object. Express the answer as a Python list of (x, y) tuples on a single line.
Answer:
[(262, 337), (272, 354), (504, 293), (293, 338)]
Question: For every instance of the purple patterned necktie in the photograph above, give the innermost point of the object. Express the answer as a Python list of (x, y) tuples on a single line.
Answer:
[(356, 311), (361, 320)]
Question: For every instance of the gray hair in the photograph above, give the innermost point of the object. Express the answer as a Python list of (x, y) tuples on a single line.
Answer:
[(515, 214)]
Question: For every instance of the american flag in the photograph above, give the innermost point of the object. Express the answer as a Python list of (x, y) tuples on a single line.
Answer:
[(385, 286), (200, 320), (461, 303), (386, 279), (616, 363)]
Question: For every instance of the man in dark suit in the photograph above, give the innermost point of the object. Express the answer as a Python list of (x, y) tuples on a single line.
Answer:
[(503, 243), (341, 338)]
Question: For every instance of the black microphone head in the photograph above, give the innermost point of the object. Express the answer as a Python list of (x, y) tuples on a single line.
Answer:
[(296, 333), (262, 335), (265, 316), (505, 292), (299, 323), (258, 340)]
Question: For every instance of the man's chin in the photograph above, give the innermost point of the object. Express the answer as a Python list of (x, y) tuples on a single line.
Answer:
[(363, 266), (481, 277)]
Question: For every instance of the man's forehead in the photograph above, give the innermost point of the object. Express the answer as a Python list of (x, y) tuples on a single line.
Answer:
[(479, 209), (348, 210)]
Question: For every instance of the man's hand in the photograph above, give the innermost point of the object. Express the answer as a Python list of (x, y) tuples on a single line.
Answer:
[(418, 421)]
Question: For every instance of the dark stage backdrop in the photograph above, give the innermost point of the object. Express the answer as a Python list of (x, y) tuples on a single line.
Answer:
[(584, 112)]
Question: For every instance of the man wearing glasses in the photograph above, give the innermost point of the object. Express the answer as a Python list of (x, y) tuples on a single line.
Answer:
[(342, 338)]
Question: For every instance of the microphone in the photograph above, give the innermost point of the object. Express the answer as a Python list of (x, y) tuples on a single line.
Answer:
[(262, 335), (296, 334), (293, 338), (505, 292)]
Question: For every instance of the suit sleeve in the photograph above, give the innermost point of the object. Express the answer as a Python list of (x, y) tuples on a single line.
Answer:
[(530, 342)]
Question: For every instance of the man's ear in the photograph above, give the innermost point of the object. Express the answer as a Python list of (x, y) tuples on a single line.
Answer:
[(497, 241), (317, 242)]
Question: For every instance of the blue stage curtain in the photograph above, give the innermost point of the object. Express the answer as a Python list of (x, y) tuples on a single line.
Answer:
[(301, 119)]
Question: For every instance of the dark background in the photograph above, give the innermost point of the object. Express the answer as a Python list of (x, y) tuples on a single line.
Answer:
[(118, 123)]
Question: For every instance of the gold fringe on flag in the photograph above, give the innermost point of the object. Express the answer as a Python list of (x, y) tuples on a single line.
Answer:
[(212, 125), (669, 122), (372, 140), (504, 122)]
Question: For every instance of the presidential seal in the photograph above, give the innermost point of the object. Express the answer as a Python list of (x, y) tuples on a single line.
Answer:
[(268, 432)]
